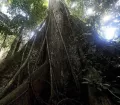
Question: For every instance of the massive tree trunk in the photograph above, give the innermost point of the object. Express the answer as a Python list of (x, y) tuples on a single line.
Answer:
[(48, 70)]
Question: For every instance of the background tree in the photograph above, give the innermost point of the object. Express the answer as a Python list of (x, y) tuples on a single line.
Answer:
[(24, 16)]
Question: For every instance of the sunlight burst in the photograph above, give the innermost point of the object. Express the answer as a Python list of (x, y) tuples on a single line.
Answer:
[(109, 33), (4, 9), (106, 18), (90, 11)]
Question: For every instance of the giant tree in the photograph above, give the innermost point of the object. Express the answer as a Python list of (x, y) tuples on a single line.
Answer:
[(52, 67)]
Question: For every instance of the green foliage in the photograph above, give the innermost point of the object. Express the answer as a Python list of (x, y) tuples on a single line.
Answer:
[(8, 26), (76, 8), (23, 14), (35, 10), (5, 44), (8, 40), (5, 24)]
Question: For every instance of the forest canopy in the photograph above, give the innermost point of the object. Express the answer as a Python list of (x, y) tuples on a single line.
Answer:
[(102, 15)]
